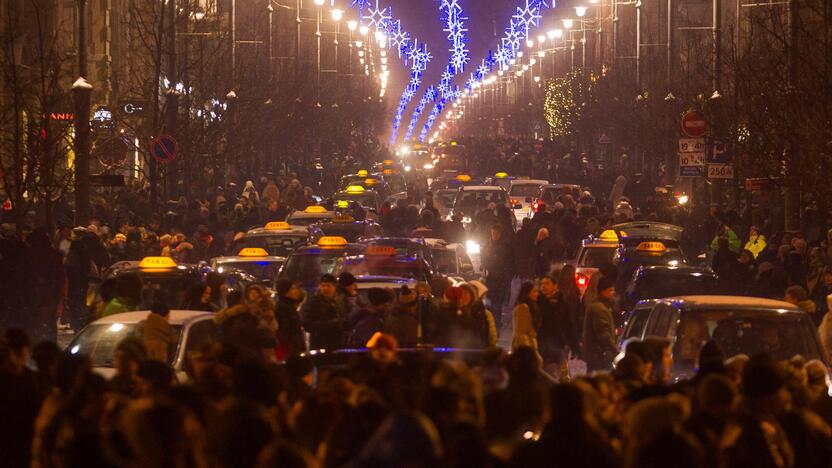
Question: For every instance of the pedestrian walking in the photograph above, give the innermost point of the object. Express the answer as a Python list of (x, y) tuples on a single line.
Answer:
[(323, 317), (527, 317), (599, 346), (498, 261)]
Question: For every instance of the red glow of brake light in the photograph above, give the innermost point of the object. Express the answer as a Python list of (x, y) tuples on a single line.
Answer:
[(581, 280), (513, 201), (535, 206)]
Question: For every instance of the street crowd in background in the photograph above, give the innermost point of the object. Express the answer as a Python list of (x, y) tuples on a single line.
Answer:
[(390, 407)]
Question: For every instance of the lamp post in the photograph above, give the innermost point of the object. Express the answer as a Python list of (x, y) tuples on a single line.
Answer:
[(81, 91), (337, 15), (319, 19)]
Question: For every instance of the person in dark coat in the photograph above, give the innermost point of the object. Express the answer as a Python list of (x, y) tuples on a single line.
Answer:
[(556, 329), (21, 399), (323, 318), (456, 324), (599, 329), (45, 286), (524, 240), (498, 261), (403, 323), (545, 252), (369, 320), (290, 339)]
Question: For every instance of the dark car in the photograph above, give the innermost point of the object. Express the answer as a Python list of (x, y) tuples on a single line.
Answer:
[(306, 264), (739, 325), (659, 282), (349, 229), (628, 259)]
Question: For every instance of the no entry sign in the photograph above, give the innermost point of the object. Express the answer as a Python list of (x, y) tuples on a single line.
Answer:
[(164, 148), (694, 124)]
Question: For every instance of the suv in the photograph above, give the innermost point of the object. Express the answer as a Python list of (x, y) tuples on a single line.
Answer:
[(740, 325), (475, 198)]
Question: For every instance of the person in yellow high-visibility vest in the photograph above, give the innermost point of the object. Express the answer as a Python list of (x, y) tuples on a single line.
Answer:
[(756, 241)]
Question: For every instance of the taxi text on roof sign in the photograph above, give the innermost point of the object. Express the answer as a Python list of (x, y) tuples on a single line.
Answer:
[(609, 236), (501, 175), (277, 226), (157, 263), (355, 189), (381, 250), (254, 252), (363, 173), (332, 241), (463, 178), (370, 181), (387, 172), (388, 162), (315, 209), (342, 204), (651, 247)]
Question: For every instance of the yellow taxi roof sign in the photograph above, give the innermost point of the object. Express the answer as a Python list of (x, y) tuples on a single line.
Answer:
[(342, 204), (315, 209), (276, 226), (355, 189), (381, 250), (463, 178), (253, 252), (501, 175), (453, 143), (387, 162), (652, 246), (157, 263), (387, 172), (370, 181), (609, 236), (363, 173), (332, 241)]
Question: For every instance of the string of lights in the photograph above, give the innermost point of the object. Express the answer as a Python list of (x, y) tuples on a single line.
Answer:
[(526, 16)]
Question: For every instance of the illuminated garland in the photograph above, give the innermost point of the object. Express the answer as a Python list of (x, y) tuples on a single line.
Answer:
[(525, 17), (454, 20), (560, 108), (429, 96), (419, 58)]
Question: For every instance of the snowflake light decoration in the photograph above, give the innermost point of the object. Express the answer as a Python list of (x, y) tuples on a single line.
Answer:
[(429, 96), (360, 5), (378, 17), (419, 57), (528, 16)]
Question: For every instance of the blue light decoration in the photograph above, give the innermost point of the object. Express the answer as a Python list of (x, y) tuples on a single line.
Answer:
[(525, 17), (429, 96), (377, 17), (454, 19), (419, 58), (398, 38), (360, 5)]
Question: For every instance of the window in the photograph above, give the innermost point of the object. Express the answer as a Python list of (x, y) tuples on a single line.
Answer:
[(660, 320), (200, 333), (635, 328)]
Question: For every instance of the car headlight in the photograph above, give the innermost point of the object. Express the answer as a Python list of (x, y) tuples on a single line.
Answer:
[(466, 220), (407, 168), (427, 166), (472, 247)]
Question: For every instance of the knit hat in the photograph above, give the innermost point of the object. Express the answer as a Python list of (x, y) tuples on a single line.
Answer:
[(481, 288), (346, 279), (327, 278), (762, 377), (407, 295), (605, 284)]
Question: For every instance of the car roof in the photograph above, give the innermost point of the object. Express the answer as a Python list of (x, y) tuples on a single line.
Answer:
[(372, 281), (573, 186), (471, 188), (680, 269), (528, 182), (293, 230), (743, 302), (650, 230), (177, 317), (237, 258), (349, 249)]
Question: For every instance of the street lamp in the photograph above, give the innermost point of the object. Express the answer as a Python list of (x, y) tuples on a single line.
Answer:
[(337, 14), (319, 2), (567, 23), (580, 11), (364, 30), (529, 43), (352, 25), (541, 39)]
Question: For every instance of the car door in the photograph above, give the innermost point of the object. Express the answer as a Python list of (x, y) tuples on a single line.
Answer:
[(638, 321), (662, 321)]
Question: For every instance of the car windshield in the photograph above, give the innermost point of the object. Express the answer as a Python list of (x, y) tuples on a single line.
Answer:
[(307, 220), (166, 288), (631, 262), (380, 265), (308, 268), (594, 257), (658, 286), (263, 271), (349, 231), (480, 199), (445, 260), (747, 332), (99, 341), (524, 190), (445, 197), (280, 246), (367, 200)]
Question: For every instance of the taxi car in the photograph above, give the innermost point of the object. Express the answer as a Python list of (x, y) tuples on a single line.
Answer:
[(594, 252), (98, 340), (522, 193), (629, 258), (347, 227), (453, 180), (660, 281), (163, 280), (409, 246), (278, 238), (307, 264), (384, 260), (310, 215), (739, 325), (392, 283), (443, 200), (472, 199), (355, 193), (452, 260), (500, 179), (255, 261)]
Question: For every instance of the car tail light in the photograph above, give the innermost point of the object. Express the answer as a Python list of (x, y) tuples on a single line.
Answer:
[(535, 206), (581, 280), (514, 202)]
